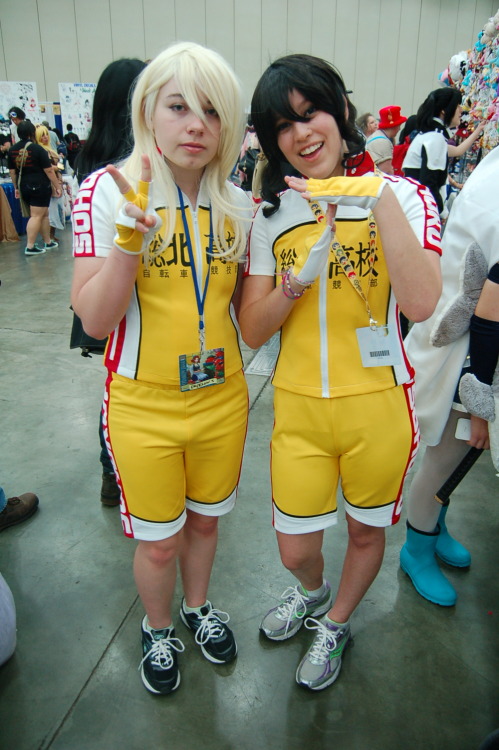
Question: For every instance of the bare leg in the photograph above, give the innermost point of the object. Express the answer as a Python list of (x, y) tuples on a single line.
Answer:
[(301, 554), (155, 569), (363, 558), (45, 227), (197, 552), (34, 224)]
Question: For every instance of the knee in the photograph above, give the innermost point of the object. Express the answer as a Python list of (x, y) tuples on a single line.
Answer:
[(202, 525), (363, 536), (295, 559), (160, 553)]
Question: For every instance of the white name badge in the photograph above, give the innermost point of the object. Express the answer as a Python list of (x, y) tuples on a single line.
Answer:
[(378, 346)]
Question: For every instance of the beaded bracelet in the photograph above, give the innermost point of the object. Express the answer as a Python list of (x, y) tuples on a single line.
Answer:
[(286, 287)]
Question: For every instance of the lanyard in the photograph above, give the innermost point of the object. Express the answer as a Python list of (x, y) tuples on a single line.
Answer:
[(345, 263), (349, 271), (200, 299)]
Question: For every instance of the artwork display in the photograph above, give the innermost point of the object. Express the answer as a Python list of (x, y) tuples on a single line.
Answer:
[(76, 101), (20, 94)]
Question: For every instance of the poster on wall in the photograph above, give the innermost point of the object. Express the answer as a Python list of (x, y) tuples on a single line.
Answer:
[(76, 101), (20, 94)]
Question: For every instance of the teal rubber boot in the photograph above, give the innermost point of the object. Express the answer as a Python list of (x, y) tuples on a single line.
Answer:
[(449, 549), (417, 559)]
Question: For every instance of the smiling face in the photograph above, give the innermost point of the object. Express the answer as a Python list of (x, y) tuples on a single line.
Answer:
[(187, 141), (44, 138), (315, 147)]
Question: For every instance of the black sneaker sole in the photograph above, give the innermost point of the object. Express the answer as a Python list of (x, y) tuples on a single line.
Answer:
[(164, 691)]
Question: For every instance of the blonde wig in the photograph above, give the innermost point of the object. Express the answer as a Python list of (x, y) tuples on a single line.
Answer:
[(197, 70), (40, 131)]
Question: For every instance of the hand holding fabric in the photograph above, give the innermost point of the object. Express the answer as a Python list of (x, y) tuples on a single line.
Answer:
[(363, 192)]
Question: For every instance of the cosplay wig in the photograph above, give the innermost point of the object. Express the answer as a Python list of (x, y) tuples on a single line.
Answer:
[(199, 72), (444, 99), (41, 130), (321, 84)]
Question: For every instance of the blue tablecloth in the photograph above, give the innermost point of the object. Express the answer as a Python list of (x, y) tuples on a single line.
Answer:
[(15, 208)]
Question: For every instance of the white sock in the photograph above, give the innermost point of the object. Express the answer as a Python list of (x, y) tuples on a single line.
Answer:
[(316, 593), (155, 630), (193, 609)]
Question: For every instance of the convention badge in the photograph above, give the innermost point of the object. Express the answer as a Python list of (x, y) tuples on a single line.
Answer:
[(201, 369), (378, 346)]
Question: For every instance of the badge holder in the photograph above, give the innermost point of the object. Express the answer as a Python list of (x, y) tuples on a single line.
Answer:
[(207, 366)]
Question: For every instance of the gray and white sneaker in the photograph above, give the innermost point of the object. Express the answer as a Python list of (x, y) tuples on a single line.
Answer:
[(286, 619), (321, 664)]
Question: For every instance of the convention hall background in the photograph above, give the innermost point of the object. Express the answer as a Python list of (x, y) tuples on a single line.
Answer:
[(390, 51), (419, 677)]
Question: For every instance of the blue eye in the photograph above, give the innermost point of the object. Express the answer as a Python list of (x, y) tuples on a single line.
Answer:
[(211, 112)]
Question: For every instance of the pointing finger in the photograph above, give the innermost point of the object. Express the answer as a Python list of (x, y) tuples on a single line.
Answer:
[(120, 180)]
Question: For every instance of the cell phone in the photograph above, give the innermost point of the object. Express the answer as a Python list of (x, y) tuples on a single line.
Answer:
[(463, 429)]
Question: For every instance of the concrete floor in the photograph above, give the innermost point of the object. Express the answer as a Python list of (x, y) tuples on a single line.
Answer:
[(420, 676)]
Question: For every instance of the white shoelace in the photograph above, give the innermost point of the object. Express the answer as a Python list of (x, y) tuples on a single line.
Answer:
[(325, 641), (294, 605), (160, 652), (211, 626)]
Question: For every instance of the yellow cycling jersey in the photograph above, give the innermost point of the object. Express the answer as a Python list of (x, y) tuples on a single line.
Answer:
[(161, 322), (319, 353)]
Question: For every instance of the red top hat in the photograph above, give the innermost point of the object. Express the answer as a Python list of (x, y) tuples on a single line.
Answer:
[(390, 117)]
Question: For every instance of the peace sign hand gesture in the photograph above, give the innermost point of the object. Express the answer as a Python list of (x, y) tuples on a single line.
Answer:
[(137, 218)]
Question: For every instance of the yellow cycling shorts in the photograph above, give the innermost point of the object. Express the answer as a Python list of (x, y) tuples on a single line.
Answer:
[(174, 450), (366, 442)]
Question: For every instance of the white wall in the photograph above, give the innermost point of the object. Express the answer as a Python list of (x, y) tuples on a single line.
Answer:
[(389, 51)]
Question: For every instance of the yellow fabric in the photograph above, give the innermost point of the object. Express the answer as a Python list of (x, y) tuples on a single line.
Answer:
[(299, 365), (168, 445), (165, 315), (317, 440), (354, 187), (129, 239)]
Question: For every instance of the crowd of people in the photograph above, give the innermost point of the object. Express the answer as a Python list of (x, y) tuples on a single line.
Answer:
[(174, 416)]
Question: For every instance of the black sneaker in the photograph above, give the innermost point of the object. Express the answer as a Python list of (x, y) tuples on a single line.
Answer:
[(158, 668), (35, 250), (211, 633)]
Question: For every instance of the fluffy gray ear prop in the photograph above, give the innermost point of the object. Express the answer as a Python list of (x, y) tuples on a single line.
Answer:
[(482, 400), (454, 319)]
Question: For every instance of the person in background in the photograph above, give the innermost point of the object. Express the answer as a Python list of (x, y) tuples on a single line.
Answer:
[(73, 144), (427, 158), (465, 322), (54, 138), (109, 141), (342, 374), (368, 124), (380, 144), (56, 207), (17, 116), (33, 175), (176, 401), (13, 510)]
